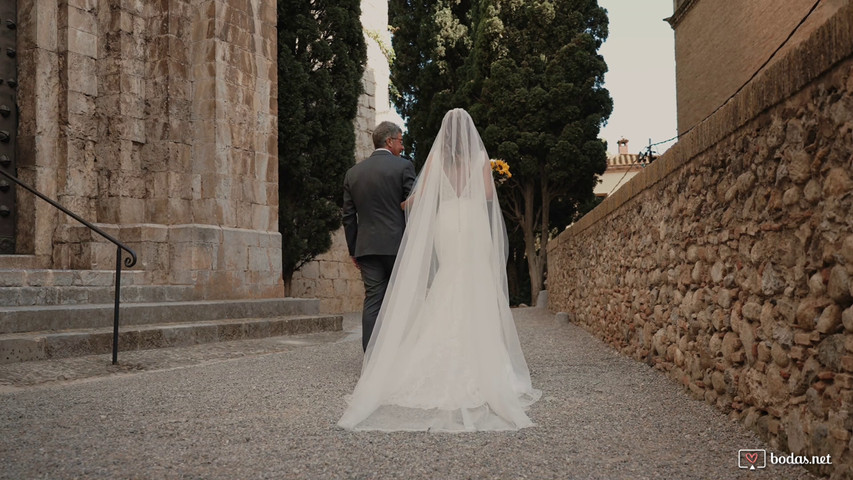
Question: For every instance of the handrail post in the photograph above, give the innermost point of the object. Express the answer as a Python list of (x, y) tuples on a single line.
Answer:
[(115, 315)]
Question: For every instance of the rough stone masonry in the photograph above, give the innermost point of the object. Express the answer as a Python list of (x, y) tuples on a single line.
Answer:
[(727, 264), (158, 122)]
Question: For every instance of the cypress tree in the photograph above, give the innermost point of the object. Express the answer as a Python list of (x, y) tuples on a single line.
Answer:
[(432, 40), (321, 57), (534, 86)]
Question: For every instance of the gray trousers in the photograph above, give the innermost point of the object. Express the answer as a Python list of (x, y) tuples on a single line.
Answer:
[(375, 273)]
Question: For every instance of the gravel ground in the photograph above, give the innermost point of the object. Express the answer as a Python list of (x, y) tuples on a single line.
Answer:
[(267, 409)]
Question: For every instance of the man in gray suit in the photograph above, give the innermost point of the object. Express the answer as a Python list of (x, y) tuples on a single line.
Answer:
[(372, 217)]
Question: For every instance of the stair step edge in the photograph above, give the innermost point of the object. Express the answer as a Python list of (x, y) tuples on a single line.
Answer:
[(54, 318), (31, 346)]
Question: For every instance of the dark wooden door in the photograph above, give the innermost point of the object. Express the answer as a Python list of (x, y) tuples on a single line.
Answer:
[(8, 120)]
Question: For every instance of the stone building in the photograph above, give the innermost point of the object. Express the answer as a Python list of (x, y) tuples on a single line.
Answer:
[(157, 122), (621, 167), (719, 48), (727, 262)]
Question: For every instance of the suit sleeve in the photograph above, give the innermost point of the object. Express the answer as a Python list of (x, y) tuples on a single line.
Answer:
[(349, 219), (408, 179)]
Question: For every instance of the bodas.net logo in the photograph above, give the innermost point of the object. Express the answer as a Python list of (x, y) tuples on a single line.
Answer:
[(751, 459)]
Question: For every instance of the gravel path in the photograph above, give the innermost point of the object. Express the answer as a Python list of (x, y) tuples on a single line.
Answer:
[(267, 409)]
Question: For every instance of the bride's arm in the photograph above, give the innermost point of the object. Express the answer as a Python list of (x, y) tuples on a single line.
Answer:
[(488, 182), (407, 203)]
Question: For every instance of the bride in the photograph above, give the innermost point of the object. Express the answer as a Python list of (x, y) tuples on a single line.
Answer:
[(445, 355)]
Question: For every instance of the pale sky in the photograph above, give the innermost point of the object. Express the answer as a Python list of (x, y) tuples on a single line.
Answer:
[(640, 56)]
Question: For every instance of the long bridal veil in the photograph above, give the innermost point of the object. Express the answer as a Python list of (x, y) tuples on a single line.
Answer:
[(445, 354)]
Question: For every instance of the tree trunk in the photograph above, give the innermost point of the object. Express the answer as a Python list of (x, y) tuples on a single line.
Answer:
[(535, 265), (512, 282), (544, 229)]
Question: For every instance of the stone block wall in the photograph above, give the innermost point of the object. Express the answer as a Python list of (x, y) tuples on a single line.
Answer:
[(157, 121), (727, 263), (332, 278)]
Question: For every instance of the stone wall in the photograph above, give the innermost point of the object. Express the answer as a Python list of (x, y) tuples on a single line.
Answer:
[(727, 262), (158, 122), (332, 278)]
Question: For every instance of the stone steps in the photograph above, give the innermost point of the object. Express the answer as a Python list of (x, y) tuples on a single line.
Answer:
[(80, 295), (62, 317), (44, 345), (41, 277), (56, 331), (19, 287)]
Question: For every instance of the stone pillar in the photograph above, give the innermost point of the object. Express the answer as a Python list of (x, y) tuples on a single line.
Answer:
[(38, 130), (157, 121)]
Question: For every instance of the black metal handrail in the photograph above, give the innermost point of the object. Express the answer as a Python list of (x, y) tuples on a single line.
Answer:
[(128, 262)]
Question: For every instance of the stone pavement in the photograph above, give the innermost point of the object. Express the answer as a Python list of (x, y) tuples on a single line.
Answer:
[(267, 409)]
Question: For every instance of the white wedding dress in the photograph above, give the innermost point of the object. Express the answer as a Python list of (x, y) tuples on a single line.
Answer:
[(445, 354)]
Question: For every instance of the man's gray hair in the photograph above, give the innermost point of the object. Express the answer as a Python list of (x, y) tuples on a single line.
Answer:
[(384, 131)]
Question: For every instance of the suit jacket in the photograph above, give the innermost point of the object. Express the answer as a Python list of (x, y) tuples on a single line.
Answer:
[(373, 190)]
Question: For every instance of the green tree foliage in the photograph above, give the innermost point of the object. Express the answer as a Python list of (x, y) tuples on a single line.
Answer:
[(321, 57), (534, 85), (432, 40)]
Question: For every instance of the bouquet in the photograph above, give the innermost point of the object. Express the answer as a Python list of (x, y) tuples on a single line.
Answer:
[(500, 171)]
